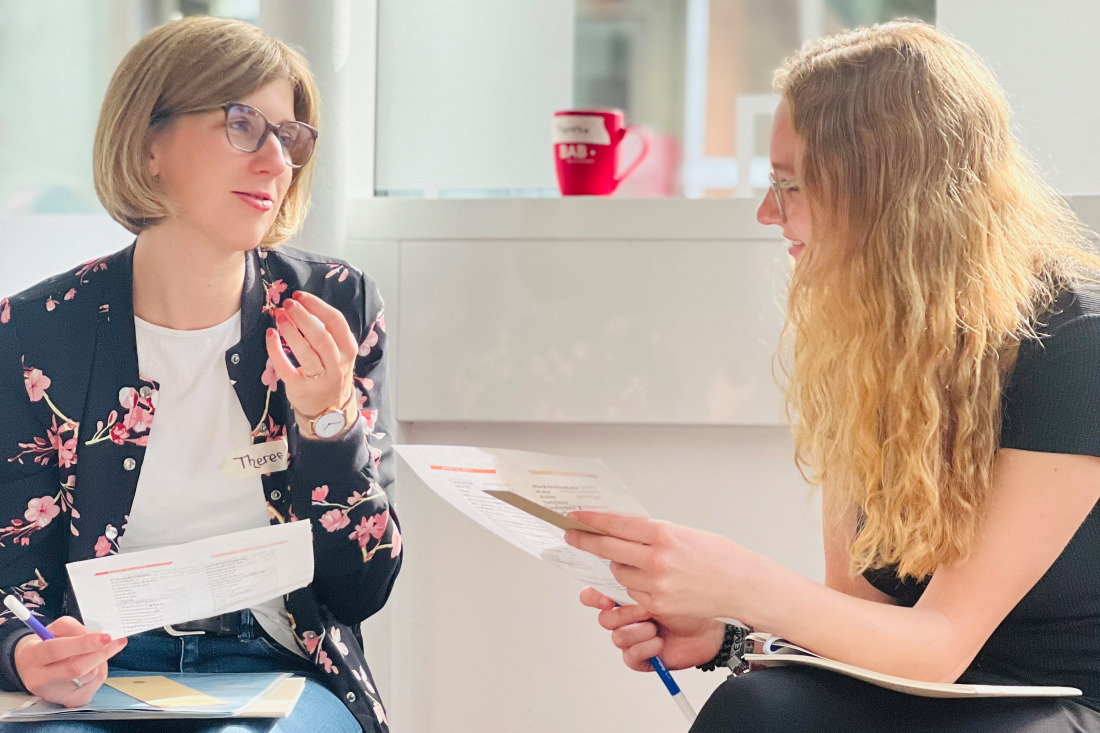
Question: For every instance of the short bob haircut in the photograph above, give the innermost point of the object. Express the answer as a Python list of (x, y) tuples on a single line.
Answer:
[(189, 63)]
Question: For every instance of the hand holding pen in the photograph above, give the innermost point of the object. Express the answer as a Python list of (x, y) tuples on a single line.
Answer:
[(62, 663), (657, 643)]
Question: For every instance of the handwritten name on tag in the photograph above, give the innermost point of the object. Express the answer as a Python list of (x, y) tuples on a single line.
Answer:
[(256, 460)]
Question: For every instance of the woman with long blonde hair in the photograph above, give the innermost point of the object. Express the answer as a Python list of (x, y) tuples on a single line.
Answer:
[(944, 387)]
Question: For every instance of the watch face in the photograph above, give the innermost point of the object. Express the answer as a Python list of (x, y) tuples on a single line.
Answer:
[(329, 424)]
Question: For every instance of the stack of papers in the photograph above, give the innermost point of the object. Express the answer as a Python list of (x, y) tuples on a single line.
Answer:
[(137, 696)]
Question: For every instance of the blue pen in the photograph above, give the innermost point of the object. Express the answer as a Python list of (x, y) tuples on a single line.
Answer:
[(659, 667), (23, 614), (681, 700)]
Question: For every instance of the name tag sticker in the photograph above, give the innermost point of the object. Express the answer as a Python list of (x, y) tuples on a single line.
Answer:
[(580, 129), (256, 459)]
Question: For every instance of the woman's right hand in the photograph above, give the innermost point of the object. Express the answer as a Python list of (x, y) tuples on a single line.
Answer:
[(48, 668), (681, 641)]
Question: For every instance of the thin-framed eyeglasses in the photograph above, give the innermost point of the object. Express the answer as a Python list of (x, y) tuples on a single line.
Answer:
[(778, 187), (247, 129)]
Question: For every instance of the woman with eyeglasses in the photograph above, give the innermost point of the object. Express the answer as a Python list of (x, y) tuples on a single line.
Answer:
[(131, 384), (944, 383)]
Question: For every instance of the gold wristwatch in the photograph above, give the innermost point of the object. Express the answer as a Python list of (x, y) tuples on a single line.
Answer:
[(331, 421)]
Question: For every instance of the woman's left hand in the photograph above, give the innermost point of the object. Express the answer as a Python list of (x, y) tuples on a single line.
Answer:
[(669, 569), (321, 341)]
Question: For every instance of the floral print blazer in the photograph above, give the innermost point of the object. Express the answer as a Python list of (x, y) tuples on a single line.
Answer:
[(75, 416)]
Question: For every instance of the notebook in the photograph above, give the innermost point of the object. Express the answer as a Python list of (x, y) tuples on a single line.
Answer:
[(775, 652)]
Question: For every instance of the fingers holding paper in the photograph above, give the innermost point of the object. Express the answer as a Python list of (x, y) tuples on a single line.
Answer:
[(680, 641), (53, 668), (669, 569)]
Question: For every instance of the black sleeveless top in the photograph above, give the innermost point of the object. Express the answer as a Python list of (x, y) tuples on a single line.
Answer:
[(1051, 405)]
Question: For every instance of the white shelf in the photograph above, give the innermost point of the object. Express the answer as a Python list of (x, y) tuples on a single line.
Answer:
[(578, 218)]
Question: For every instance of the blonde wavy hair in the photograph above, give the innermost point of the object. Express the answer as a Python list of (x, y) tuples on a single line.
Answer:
[(190, 63), (936, 247)]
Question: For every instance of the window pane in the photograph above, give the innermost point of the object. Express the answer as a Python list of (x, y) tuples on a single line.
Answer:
[(463, 112), (52, 99)]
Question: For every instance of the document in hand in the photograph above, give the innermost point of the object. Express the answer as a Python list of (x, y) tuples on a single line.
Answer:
[(777, 652), (134, 592), (141, 697), (523, 497)]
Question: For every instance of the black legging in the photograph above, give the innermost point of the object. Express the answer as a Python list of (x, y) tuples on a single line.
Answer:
[(793, 699)]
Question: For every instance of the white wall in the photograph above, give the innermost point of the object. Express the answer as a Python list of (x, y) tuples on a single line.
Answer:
[(33, 248), (1045, 55), (619, 331)]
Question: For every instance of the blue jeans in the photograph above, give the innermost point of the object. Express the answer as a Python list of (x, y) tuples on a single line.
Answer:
[(250, 651)]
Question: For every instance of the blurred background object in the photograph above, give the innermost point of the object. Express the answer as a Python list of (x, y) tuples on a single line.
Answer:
[(698, 74)]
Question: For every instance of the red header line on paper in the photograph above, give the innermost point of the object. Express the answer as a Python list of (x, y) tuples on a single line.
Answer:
[(136, 567), (459, 469), (562, 473), (250, 549)]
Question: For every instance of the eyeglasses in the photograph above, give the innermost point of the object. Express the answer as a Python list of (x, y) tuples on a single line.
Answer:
[(778, 187), (247, 130)]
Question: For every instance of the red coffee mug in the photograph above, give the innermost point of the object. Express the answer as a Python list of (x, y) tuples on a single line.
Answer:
[(586, 150)]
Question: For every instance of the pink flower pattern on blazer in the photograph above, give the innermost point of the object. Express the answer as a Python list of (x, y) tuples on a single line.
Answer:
[(80, 413)]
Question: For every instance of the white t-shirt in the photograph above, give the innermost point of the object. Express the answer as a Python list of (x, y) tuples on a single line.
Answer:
[(182, 494)]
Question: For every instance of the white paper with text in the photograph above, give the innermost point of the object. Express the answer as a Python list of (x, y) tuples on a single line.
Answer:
[(462, 475), (135, 592)]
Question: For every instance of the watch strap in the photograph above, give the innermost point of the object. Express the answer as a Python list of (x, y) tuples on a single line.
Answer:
[(311, 421)]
